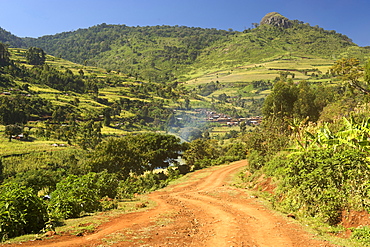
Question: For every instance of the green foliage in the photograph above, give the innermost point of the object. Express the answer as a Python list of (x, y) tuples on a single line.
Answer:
[(35, 56), (349, 70), (18, 108), (256, 160), (165, 53), (236, 150), (1, 171), (21, 211), (324, 182), (39, 179), (141, 184), (362, 234), (13, 130), (54, 164), (10, 39), (367, 72), (63, 81), (167, 48), (201, 152), (268, 139), (136, 153), (288, 100), (76, 195), (4, 55), (89, 134)]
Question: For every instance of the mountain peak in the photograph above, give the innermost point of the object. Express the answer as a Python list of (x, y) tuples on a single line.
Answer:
[(276, 19)]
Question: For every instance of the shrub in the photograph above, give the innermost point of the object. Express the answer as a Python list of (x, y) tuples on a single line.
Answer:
[(362, 234), (140, 184), (256, 160), (324, 182), (75, 195), (21, 211)]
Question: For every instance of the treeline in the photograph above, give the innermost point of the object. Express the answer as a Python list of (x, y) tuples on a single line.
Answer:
[(168, 53), (151, 53)]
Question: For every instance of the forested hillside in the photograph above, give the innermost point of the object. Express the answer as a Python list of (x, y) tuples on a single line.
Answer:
[(152, 53), (10, 39), (170, 53)]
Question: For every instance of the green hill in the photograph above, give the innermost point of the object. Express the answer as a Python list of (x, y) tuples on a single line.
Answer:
[(178, 53), (10, 39)]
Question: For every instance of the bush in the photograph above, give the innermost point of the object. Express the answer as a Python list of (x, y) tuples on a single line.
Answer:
[(75, 195), (362, 235), (39, 179), (21, 211), (256, 160), (236, 150), (140, 184), (325, 182)]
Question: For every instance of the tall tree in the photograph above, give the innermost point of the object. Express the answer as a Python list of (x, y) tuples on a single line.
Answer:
[(280, 102), (35, 56), (4, 55), (350, 70), (367, 72)]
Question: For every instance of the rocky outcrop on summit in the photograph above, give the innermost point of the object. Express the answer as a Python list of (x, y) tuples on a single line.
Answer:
[(276, 19)]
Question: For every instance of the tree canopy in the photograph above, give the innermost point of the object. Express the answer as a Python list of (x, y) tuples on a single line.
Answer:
[(136, 153), (35, 56)]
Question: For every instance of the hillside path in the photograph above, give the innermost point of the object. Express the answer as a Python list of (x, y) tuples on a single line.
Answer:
[(203, 211)]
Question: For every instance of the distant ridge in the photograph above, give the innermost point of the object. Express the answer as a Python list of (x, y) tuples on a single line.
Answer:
[(178, 53), (10, 39)]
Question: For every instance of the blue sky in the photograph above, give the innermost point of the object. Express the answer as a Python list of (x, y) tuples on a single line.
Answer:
[(35, 18)]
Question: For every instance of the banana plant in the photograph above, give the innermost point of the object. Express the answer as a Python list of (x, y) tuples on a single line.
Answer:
[(353, 134)]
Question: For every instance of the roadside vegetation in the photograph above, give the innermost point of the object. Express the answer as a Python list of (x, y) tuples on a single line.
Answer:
[(317, 160)]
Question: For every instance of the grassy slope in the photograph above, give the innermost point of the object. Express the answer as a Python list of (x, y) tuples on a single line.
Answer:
[(57, 98), (261, 71)]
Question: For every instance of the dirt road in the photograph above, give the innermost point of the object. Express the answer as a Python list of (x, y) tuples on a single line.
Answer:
[(204, 211)]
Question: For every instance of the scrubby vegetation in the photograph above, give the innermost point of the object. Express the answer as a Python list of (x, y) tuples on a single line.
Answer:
[(320, 168)]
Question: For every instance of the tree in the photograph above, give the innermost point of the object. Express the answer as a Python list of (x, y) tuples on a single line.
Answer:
[(305, 105), (13, 130), (187, 104), (281, 101), (4, 55), (243, 126), (136, 153), (1, 171), (201, 150), (107, 112), (35, 56), (58, 115), (349, 69), (89, 134), (367, 72)]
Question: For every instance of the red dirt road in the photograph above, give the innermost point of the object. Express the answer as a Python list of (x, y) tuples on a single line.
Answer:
[(204, 211)]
